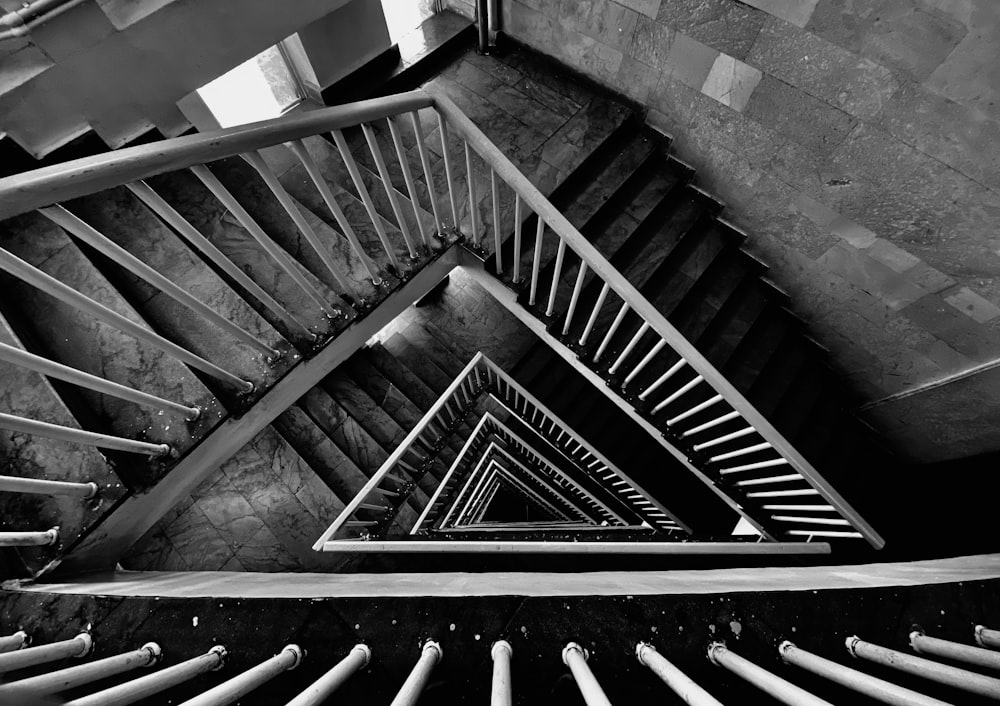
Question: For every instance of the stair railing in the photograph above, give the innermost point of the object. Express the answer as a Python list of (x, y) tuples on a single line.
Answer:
[(765, 471), (372, 508), (44, 190)]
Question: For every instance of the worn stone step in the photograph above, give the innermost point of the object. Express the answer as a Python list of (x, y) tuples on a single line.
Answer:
[(62, 333)]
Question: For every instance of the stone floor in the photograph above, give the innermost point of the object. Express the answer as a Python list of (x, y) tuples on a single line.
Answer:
[(856, 141)]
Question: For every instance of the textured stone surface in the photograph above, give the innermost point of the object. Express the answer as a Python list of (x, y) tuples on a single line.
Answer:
[(726, 26)]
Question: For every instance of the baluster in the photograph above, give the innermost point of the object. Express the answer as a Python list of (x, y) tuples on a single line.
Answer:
[(409, 693), (536, 261), (678, 681), (986, 637), (79, 436), (680, 392), (203, 245), (29, 539), (59, 371), (740, 452), (715, 399), (516, 274), (78, 646), (322, 688), (53, 287), (575, 657), (136, 690), (12, 643), (425, 162), (242, 684), (446, 156), (298, 218), (798, 492), (34, 486), (949, 650), (595, 312), (812, 520), (73, 677), (366, 199), (724, 439), (754, 467), (88, 234), (711, 423), (496, 219), (825, 533), (575, 297), (251, 226), (876, 688), (411, 188), (390, 191), (926, 669), (659, 346), (556, 274), (629, 348), (662, 379), (782, 690), (473, 200), (767, 480), (312, 169), (611, 331)]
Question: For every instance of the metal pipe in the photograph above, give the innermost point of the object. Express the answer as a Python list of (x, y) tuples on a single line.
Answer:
[(947, 649), (298, 218), (986, 637), (673, 370), (619, 317), (446, 156), (575, 657), (811, 520), (473, 199), (495, 194), (66, 294), (78, 646), (723, 439), (516, 275), (73, 677), (85, 232), (59, 371), (11, 643), (712, 423), (925, 668), (556, 275), (629, 348), (680, 683), (34, 486), (136, 690), (757, 466), (409, 693), (29, 539), (536, 261), (594, 313), (659, 346), (783, 691), (482, 27), (283, 260), (870, 686), (242, 684), (694, 410), (740, 452), (679, 392), (321, 689), (411, 188), (425, 164), (175, 220), (502, 692), (20, 22), (79, 436), (390, 191), (574, 298)]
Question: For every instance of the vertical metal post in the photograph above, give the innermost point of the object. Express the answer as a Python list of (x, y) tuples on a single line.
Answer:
[(679, 682), (783, 691), (494, 187), (34, 486), (242, 684), (29, 539), (318, 692), (78, 646), (80, 436), (16, 641), (425, 164), (446, 156), (473, 200), (409, 693), (987, 638), (925, 668), (136, 690), (575, 657), (878, 689), (73, 677), (483, 26), (935, 647), (502, 693)]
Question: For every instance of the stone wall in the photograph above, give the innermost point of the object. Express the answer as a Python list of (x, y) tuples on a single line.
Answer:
[(856, 142)]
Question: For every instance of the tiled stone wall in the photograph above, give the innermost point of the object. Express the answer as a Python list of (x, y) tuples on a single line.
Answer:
[(857, 143)]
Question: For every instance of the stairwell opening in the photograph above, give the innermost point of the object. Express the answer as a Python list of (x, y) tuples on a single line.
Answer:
[(260, 88)]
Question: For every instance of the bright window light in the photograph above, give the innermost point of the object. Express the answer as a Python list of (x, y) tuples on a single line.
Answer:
[(258, 89)]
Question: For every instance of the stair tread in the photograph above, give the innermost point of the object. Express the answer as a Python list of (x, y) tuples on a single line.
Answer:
[(122, 218), (90, 345), (199, 207), (407, 353), (399, 375)]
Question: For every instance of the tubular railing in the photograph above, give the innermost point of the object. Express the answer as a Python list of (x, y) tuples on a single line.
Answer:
[(44, 190), (370, 511), (699, 407)]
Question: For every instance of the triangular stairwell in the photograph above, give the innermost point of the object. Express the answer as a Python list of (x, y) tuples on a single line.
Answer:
[(184, 308)]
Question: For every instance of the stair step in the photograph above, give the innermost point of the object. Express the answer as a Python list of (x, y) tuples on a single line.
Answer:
[(419, 363), (122, 218), (430, 345), (721, 337), (388, 365), (200, 208), (61, 333), (29, 394)]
